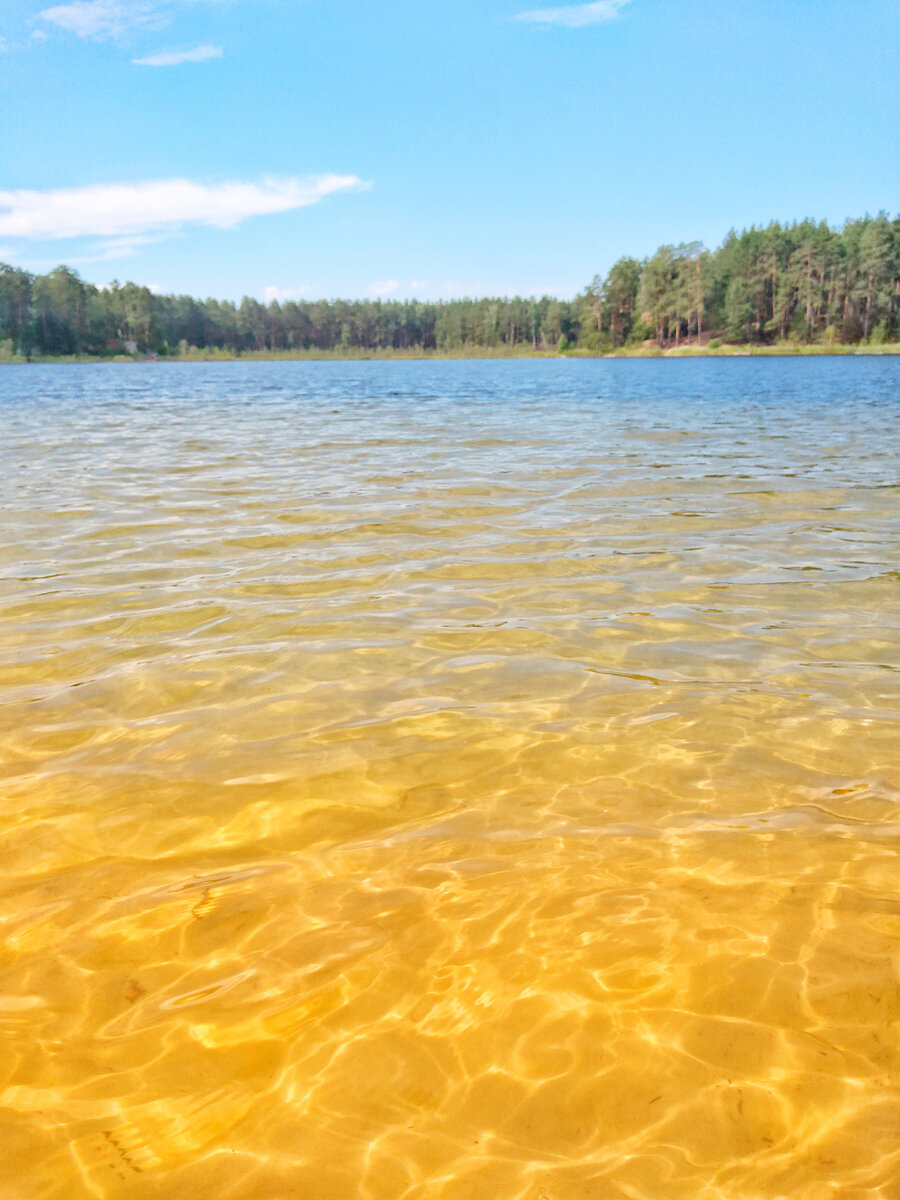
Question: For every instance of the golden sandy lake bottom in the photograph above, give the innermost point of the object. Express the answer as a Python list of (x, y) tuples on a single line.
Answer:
[(421, 794)]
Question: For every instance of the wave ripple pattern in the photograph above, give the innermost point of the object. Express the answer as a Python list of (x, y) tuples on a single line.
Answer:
[(450, 781)]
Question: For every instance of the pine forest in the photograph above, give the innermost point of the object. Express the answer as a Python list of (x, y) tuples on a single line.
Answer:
[(806, 283)]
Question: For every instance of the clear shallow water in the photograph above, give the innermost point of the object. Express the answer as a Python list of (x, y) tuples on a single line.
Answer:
[(450, 780)]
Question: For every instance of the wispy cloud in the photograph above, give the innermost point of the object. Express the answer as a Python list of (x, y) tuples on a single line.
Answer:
[(384, 287), (575, 15), (124, 247), (457, 290), (108, 250), (119, 210), (176, 57), (98, 19)]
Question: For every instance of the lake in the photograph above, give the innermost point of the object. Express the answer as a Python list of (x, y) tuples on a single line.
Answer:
[(450, 780)]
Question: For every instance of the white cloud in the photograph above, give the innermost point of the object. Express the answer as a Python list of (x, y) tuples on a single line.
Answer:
[(104, 18), (176, 57), (384, 287), (118, 210), (575, 15), (38, 35), (279, 295)]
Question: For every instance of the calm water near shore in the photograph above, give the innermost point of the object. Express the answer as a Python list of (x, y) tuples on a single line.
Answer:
[(450, 780)]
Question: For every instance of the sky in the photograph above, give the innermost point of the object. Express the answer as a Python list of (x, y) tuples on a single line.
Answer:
[(429, 148)]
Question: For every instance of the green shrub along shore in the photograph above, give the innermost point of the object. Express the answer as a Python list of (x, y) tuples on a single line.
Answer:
[(804, 288)]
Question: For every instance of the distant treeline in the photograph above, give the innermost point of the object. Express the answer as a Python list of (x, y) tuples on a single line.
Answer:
[(804, 282)]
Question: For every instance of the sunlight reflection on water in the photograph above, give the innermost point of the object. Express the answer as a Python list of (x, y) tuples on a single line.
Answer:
[(450, 780)]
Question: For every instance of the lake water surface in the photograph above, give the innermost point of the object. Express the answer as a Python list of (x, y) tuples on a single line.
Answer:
[(450, 780)]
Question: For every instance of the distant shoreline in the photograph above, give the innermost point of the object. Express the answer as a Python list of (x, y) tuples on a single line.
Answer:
[(782, 350)]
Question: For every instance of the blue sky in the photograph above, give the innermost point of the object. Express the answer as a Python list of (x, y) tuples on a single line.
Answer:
[(433, 148)]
